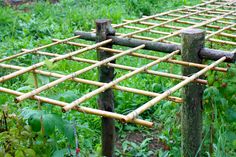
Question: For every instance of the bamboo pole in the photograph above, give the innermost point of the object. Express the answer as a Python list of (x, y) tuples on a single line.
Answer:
[(154, 101), (124, 67), (171, 34), (17, 73), (81, 109), (109, 85), (178, 28), (201, 18), (38, 48), (166, 41), (177, 18), (161, 14), (223, 41), (95, 83), (50, 85), (195, 26)]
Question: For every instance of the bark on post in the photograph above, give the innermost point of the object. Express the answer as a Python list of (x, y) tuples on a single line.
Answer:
[(106, 99), (192, 43)]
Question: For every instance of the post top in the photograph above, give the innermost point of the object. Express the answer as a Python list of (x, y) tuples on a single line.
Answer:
[(101, 21), (192, 31)]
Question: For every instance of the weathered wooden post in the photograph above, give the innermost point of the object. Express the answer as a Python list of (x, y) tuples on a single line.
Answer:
[(192, 43), (106, 99)]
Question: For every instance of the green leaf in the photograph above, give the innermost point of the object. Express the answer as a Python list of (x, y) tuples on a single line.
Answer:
[(60, 153), (19, 153), (69, 133), (29, 152), (35, 123), (49, 123)]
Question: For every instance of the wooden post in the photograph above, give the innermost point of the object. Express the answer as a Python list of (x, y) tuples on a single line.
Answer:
[(106, 99), (191, 129)]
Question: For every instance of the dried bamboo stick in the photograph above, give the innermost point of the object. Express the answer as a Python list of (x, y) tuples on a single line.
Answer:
[(124, 67), (215, 12), (178, 28), (223, 41), (201, 18), (161, 14), (195, 26), (95, 83), (188, 22), (174, 19), (38, 48), (151, 103), (152, 57), (17, 73), (221, 30), (81, 109), (116, 81), (50, 85)]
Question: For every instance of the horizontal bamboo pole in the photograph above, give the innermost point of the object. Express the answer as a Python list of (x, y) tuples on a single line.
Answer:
[(207, 31), (54, 83), (124, 67), (195, 26), (207, 38), (38, 48), (161, 14), (214, 12), (116, 81), (95, 83), (223, 41), (172, 20), (17, 73), (170, 34), (154, 101), (81, 109)]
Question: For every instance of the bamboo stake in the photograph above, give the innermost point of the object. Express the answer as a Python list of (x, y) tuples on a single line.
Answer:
[(221, 30), (103, 62), (154, 101), (81, 109), (114, 82), (7, 77), (151, 57), (95, 83), (38, 48)]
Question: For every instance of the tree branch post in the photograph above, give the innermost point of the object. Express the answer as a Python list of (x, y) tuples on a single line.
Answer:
[(106, 99), (191, 115)]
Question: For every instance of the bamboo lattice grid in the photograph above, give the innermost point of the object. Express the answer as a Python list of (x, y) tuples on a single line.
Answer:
[(216, 17)]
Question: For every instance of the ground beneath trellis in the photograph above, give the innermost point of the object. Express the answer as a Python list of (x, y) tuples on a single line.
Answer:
[(138, 137)]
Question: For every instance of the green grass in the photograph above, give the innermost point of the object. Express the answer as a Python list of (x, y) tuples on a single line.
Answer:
[(34, 25)]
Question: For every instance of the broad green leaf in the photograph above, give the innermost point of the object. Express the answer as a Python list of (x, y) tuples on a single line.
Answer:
[(35, 122), (29, 152), (19, 153)]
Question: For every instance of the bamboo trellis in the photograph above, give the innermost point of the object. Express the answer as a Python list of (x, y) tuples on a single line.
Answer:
[(216, 17)]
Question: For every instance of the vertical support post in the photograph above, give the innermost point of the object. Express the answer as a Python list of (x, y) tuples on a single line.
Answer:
[(191, 115), (106, 99)]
